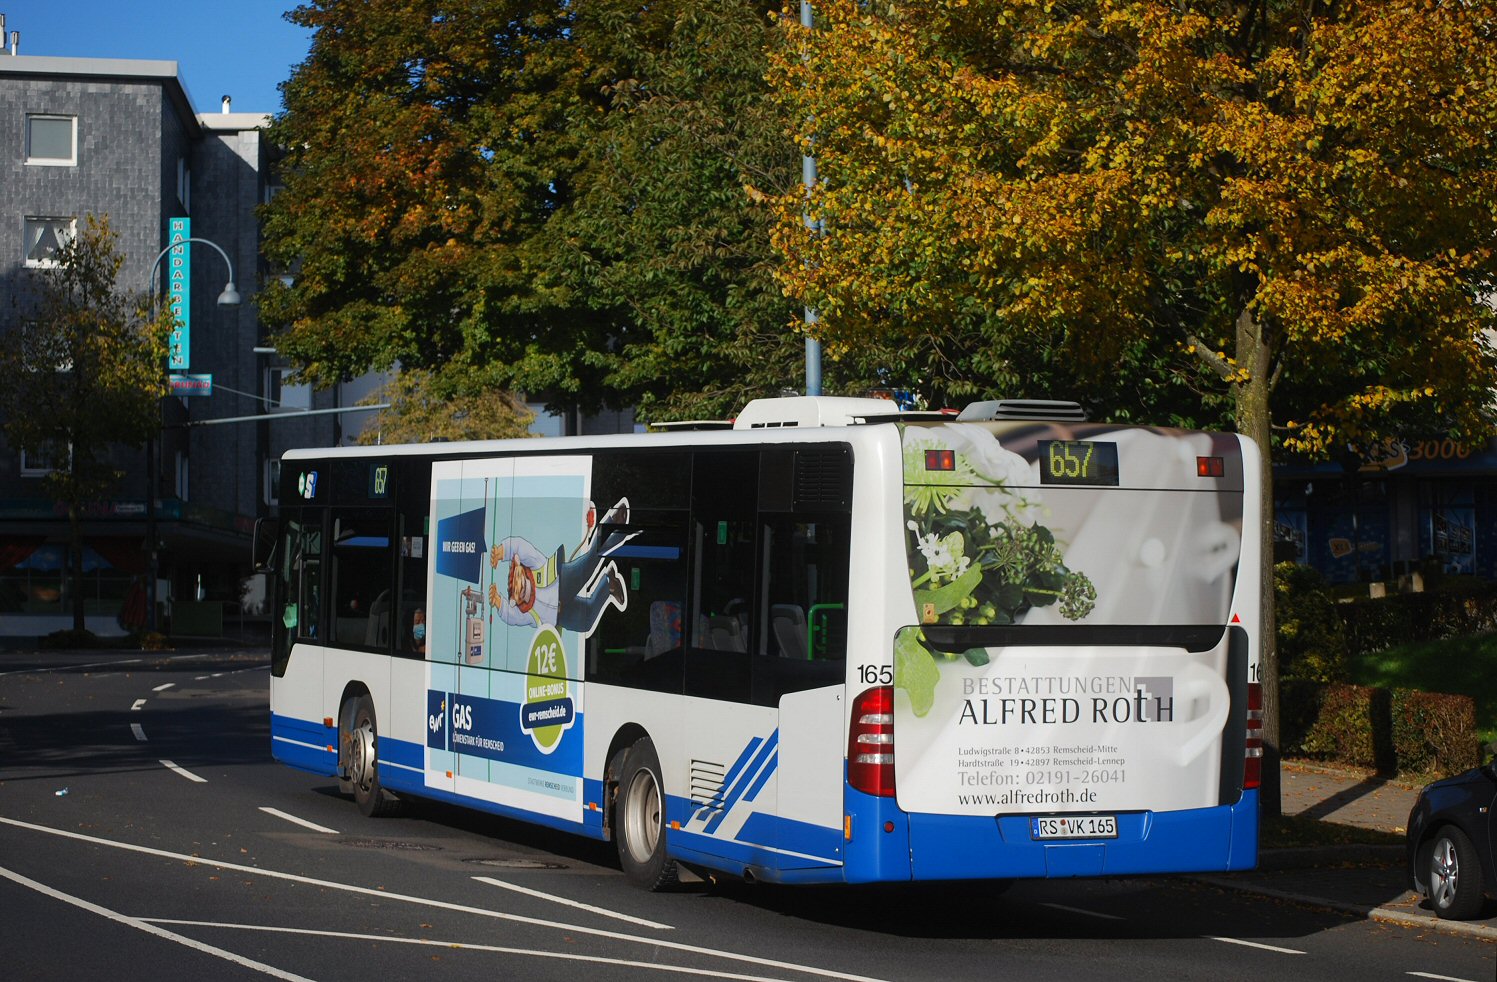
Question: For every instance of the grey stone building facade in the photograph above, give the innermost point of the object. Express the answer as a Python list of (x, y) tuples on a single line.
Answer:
[(122, 138)]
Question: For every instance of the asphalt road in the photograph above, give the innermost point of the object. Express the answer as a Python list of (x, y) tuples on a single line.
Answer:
[(145, 833)]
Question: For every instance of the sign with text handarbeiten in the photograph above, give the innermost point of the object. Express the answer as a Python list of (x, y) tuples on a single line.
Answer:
[(179, 292)]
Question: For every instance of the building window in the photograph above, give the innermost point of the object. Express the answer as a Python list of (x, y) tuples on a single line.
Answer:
[(184, 185), (272, 481), (38, 464), (52, 140), (45, 237), (282, 397)]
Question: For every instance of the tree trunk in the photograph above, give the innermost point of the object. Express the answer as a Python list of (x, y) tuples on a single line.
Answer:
[(1254, 419)]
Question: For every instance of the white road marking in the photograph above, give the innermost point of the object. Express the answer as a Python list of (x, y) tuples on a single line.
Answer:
[(654, 941), (1088, 913), (140, 733), (138, 704), (1439, 978), (184, 772), (463, 945), (140, 925), (1254, 944), (298, 821), (66, 668), (573, 903), (163, 688)]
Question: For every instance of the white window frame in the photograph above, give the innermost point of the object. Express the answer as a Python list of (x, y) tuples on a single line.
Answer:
[(28, 470), (69, 161), (30, 221)]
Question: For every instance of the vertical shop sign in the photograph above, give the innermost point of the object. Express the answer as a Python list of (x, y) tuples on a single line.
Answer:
[(179, 292)]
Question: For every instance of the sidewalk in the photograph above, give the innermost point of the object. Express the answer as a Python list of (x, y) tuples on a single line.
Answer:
[(1368, 881)]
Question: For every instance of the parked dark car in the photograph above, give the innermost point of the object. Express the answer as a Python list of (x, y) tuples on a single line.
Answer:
[(1451, 831)]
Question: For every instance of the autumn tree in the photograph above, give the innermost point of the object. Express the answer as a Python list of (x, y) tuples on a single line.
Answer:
[(425, 406), (1290, 204), (568, 199), (84, 373)]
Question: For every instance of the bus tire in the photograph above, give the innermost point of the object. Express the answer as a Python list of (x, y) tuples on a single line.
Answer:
[(363, 763), (640, 820)]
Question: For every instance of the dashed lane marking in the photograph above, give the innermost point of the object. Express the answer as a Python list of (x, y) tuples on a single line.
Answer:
[(174, 768), (573, 903), (139, 731), (1088, 913), (297, 821), (1255, 944)]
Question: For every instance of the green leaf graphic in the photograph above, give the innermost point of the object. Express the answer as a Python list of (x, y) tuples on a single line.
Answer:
[(915, 670)]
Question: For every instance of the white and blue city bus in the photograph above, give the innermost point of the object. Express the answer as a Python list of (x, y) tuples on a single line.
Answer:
[(829, 643)]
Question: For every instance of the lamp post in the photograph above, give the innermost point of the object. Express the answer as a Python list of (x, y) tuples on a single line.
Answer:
[(228, 298)]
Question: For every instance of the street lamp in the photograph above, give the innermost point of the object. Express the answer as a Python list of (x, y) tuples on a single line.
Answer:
[(228, 298)]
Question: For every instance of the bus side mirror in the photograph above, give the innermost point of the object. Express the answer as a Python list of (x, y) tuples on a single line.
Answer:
[(267, 536)]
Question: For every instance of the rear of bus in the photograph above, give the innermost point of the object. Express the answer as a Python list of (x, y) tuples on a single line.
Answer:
[(1076, 693)]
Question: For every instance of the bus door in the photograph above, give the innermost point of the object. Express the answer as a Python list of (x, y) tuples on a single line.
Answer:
[(766, 655), (804, 536), (730, 753)]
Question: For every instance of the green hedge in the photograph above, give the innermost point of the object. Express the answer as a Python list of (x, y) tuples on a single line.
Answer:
[(1461, 606), (1394, 731)]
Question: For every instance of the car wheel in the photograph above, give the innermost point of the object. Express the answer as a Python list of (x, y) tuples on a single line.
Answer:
[(640, 819), (363, 763), (1455, 887)]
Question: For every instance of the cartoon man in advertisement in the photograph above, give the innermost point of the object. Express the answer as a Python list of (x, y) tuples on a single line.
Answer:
[(569, 594)]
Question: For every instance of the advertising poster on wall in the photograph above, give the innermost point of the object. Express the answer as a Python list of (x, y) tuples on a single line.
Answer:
[(1453, 538), (1033, 535), (520, 576)]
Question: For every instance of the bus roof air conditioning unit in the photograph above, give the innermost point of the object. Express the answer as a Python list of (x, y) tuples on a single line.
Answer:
[(810, 411), (1048, 410)]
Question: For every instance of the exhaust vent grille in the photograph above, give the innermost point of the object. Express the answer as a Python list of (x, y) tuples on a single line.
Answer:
[(1036, 409)]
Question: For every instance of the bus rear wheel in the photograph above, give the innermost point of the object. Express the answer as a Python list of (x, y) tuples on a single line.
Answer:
[(363, 762), (640, 819)]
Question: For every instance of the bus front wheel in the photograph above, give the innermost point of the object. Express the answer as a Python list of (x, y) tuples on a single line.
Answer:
[(640, 819), (363, 763)]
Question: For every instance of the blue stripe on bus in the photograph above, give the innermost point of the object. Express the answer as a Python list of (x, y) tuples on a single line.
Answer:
[(304, 745), (816, 848), (764, 759)]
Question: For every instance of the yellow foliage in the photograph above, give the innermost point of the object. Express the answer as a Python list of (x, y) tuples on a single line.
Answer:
[(1316, 190)]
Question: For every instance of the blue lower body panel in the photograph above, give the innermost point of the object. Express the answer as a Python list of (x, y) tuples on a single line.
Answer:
[(945, 847), (304, 745), (888, 844)]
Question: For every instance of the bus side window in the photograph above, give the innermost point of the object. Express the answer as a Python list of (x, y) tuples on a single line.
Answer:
[(362, 578), (308, 572), (805, 585), (721, 627)]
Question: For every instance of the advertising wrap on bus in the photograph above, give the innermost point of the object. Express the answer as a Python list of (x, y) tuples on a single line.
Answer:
[(521, 578), (1073, 653)]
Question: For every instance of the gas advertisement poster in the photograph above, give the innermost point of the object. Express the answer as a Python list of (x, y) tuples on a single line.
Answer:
[(519, 577), (1087, 532)]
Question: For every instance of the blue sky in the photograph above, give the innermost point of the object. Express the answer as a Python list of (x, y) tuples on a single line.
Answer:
[(242, 48)]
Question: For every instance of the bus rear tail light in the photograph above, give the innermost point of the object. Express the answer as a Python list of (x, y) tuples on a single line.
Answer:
[(1252, 770), (870, 744)]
